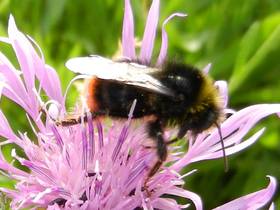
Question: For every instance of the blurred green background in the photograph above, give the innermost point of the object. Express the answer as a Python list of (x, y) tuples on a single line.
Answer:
[(240, 38)]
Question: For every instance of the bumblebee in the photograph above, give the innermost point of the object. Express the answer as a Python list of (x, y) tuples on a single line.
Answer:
[(174, 95)]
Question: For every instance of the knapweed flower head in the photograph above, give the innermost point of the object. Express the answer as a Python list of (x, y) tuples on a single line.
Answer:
[(93, 165)]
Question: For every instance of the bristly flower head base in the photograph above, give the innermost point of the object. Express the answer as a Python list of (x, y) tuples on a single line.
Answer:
[(96, 166)]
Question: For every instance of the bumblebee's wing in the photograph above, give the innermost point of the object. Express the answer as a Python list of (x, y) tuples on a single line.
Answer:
[(127, 73)]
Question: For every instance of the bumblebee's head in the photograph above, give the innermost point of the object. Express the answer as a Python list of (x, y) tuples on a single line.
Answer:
[(206, 111), (202, 117)]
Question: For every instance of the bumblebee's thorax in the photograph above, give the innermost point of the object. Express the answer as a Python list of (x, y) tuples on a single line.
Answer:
[(185, 82)]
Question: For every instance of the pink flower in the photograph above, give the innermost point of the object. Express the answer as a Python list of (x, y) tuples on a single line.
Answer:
[(96, 166)]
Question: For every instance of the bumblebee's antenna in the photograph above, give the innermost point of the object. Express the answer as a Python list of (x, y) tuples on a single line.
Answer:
[(223, 146)]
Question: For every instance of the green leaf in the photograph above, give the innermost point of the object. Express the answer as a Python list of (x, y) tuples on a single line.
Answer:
[(53, 12), (259, 52), (6, 182)]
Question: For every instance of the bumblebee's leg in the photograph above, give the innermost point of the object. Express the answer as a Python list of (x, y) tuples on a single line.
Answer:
[(155, 130), (73, 120), (181, 133)]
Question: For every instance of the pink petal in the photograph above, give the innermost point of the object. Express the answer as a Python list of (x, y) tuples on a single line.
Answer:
[(164, 38), (207, 68), (8, 91), (22, 49), (128, 204), (54, 207), (31, 64), (5, 40), (245, 119), (12, 76), (5, 129), (13, 171), (128, 32), (254, 200), (11, 84), (49, 81), (186, 194), (165, 204), (47, 76), (223, 89), (235, 127), (272, 207), (150, 33), (217, 153)]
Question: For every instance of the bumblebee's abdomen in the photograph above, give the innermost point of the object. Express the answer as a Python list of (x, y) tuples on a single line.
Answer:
[(115, 99)]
